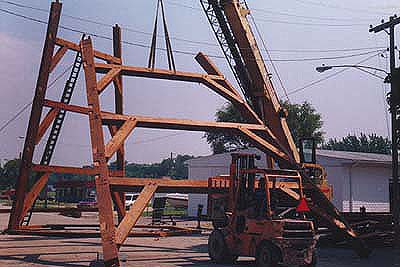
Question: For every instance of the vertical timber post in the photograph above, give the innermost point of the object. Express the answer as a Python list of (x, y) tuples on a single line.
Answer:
[(106, 217), (34, 119), (118, 86)]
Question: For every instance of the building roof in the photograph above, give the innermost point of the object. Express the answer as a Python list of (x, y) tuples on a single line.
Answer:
[(355, 156), (346, 156)]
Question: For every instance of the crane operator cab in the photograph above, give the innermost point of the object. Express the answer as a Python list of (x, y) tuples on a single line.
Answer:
[(248, 204), (313, 170)]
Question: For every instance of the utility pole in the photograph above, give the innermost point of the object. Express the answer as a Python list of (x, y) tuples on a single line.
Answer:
[(394, 102)]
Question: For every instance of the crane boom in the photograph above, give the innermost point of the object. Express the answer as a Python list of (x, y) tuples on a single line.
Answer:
[(258, 87)]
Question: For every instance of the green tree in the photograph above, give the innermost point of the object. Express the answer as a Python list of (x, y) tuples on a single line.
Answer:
[(303, 121), (9, 173), (223, 142), (371, 143), (174, 168)]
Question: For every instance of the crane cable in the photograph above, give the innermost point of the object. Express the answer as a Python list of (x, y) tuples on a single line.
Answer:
[(268, 54)]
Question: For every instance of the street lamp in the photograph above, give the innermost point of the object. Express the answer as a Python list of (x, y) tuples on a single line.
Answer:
[(393, 97), (20, 152), (362, 68)]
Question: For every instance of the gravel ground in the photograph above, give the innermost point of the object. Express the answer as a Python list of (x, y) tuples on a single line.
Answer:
[(169, 251)]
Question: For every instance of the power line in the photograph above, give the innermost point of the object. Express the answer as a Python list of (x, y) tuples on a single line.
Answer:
[(305, 17), (156, 138), (176, 51), (327, 77), (321, 3), (13, 118), (150, 140), (288, 14), (269, 56), (129, 29), (279, 21), (312, 24)]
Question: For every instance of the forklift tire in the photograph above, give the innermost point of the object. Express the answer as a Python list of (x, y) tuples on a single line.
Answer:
[(218, 250), (313, 262), (265, 256)]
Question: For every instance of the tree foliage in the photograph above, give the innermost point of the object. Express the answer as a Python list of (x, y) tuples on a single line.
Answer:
[(223, 142), (303, 121), (371, 143), (9, 173), (173, 168)]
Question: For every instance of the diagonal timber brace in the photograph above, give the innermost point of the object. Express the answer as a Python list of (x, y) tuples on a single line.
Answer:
[(134, 212), (45, 124), (119, 137), (107, 79), (32, 195), (57, 57)]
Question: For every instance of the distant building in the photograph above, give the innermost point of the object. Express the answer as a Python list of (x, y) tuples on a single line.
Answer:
[(358, 179), (74, 191)]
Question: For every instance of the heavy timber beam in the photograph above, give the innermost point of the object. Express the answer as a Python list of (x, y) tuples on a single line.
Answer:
[(74, 170), (179, 124), (57, 57), (120, 136), (236, 100), (45, 124), (65, 169), (34, 193), (119, 197), (215, 82), (162, 123), (36, 112), (106, 218), (265, 146), (155, 73), (100, 55), (134, 213), (131, 184), (107, 79), (188, 125), (262, 93)]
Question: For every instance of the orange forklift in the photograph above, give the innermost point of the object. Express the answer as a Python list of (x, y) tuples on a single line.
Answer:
[(250, 219)]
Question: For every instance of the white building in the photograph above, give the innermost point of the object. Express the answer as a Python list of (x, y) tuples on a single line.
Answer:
[(358, 179)]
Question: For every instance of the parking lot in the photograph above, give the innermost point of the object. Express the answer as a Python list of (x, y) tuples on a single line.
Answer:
[(146, 251)]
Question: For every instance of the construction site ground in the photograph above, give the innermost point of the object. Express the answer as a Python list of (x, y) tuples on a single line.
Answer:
[(18, 250)]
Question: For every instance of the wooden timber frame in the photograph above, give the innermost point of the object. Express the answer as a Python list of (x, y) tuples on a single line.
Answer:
[(111, 184)]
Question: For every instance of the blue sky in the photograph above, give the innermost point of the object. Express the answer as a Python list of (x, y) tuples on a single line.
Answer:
[(351, 102)]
